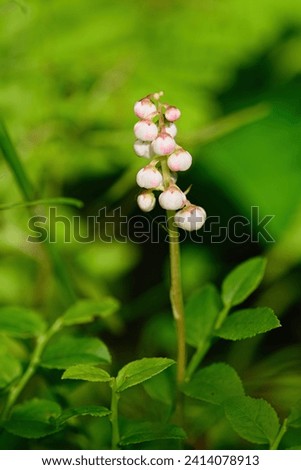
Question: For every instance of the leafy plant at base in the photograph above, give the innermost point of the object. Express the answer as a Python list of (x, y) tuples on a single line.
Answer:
[(253, 419), (130, 375), (61, 353)]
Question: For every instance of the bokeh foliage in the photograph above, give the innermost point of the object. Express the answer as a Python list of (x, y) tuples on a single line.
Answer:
[(69, 75)]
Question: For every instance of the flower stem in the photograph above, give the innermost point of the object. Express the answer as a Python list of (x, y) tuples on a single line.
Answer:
[(114, 416), (30, 370), (176, 296)]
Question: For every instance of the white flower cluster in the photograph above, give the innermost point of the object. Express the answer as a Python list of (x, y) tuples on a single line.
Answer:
[(155, 133)]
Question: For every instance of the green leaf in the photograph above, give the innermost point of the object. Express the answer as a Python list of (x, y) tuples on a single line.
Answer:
[(144, 432), (214, 384), (14, 162), (248, 323), (242, 281), (68, 201), (67, 351), (86, 372), (85, 311), (34, 419), (253, 419), (201, 312), (21, 322), (139, 371), (10, 368), (294, 418), (161, 387), (96, 411)]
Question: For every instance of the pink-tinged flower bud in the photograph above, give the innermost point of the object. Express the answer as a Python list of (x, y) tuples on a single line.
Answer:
[(172, 198), (146, 201), (179, 160), (171, 129), (172, 113), (145, 130), (144, 108), (190, 218), (149, 177), (158, 95), (143, 149), (164, 144)]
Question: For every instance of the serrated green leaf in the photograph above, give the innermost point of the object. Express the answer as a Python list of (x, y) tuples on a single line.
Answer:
[(86, 372), (248, 323), (34, 419), (294, 418), (161, 387), (85, 311), (10, 368), (96, 411), (144, 432), (242, 281), (141, 370), (21, 322), (214, 384), (201, 312), (253, 419), (66, 351)]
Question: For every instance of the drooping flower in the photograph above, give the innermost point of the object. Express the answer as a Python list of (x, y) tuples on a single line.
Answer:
[(190, 218), (149, 177)]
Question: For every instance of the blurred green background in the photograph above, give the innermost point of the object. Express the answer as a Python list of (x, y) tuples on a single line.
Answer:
[(70, 73)]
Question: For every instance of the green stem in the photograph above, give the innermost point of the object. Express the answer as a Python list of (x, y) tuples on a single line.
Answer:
[(26, 188), (282, 431), (197, 358), (176, 295), (114, 416), (222, 317), (31, 368), (205, 345)]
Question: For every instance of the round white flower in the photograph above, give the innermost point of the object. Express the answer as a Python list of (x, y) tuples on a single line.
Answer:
[(180, 160), (149, 177), (164, 144), (146, 201), (172, 198), (171, 129), (143, 149), (190, 218), (144, 108), (172, 113), (145, 130)]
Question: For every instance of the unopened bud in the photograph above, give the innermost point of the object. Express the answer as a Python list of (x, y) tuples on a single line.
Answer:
[(157, 95), (164, 144), (143, 149), (149, 177), (144, 108), (172, 113), (190, 218), (179, 160), (145, 130), (146, 201), (172, 198)]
